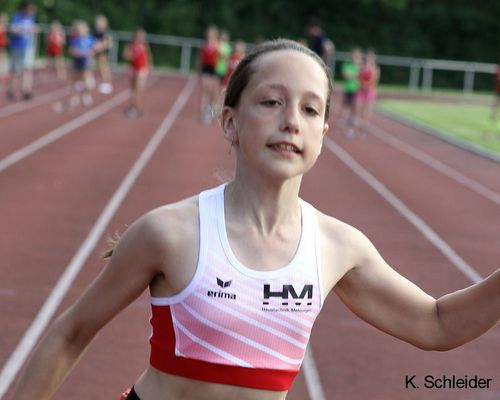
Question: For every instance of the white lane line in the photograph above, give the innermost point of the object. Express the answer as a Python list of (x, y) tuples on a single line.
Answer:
[(406, 212), (7, 292), (32, 335), (63, 130), (311, 376), (18, 107), (436, 164)]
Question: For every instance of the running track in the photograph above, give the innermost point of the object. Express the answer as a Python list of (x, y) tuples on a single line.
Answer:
[(433, 211)]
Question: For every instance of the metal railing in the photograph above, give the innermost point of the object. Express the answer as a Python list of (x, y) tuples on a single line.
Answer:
[(421, 70)]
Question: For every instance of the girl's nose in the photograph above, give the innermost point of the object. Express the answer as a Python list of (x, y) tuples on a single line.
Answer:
[(290, 122)]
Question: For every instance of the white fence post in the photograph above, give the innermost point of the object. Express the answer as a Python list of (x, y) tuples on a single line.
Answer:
[(427, 78), (186, 58), (414, 76), (469, 81)]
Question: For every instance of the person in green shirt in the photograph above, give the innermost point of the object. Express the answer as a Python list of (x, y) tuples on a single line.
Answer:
[(350, 75), (225, 50)]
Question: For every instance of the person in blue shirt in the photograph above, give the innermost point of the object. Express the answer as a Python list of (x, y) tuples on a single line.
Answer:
[(22, 52), (82, 47)]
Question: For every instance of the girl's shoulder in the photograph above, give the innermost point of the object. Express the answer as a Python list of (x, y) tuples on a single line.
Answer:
[(168, 237), (172, 223), (333, 229), (340, 235), (160, 232), (342, 247)]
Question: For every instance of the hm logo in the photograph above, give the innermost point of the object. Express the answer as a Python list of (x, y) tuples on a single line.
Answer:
[(289, 291)]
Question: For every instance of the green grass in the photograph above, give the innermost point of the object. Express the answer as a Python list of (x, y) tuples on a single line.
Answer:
[(436, 91), (470, 123)]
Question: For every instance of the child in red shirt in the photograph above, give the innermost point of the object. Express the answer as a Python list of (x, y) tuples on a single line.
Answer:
[(4, 60), (139, 57), (234, 59), (210, 84), (55, 44)]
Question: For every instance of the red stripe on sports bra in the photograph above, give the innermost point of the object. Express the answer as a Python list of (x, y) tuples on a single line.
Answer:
[(164, 359)]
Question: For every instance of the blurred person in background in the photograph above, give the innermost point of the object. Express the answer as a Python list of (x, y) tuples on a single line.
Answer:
[(104, 42), (22, 52), (138, 54), (238, 54), (82, 47), (350, 75), (366, 95), (55, 42), (318, 41), (4, 55), (225, 50), (210, 84)]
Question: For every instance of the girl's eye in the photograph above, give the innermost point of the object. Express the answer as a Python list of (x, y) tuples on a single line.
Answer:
[(270, 103), (311, 110)]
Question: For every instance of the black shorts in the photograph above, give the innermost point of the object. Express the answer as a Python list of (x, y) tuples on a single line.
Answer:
[(348, 100), (133, 395), (80, 64), (208, 70)]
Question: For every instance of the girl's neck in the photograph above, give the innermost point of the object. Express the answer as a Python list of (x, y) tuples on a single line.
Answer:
[(263, 204)]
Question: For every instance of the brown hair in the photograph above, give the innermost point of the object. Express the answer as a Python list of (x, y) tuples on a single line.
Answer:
[(111, 242), (245, 69)]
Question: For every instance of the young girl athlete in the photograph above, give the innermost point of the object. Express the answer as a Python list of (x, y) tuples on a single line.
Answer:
[(138, 54), (366, 95), (225, 268)]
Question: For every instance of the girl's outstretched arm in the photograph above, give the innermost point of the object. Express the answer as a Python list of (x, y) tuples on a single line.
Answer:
[(385, 299), (467, 313), (134, 263)]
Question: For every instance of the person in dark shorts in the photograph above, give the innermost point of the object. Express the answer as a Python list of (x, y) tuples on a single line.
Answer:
[(104, 43), (210, 83), (350, 76), (319, 41), (225, 50), (22, 51), (81, 50)]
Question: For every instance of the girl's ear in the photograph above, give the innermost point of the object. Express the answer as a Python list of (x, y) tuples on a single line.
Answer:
[(228, 123), (325, 129)]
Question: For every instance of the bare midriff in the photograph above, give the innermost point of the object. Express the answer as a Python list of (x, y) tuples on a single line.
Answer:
[(157, 385)]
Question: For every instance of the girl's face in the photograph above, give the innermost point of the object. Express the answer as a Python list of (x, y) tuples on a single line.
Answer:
[(101, 23), (139, 36), (82, 29), (212, 34), (370, 58), (357, 57), (278, 125), (239, 48)]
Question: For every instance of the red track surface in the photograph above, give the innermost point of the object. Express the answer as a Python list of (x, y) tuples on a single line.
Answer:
[(50, 200)]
